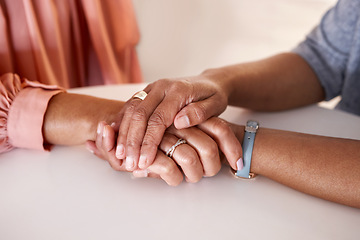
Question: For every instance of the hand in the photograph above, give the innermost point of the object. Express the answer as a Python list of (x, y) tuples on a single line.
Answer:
[(198, 158), (184, 102), (228, 137)]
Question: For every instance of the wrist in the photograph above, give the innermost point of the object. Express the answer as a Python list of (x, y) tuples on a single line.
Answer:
[(102, 110), (244, 169), (222, 78), (72, 119), (257, 157)]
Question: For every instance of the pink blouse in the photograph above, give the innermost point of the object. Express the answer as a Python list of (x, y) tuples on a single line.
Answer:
[(64, 43)]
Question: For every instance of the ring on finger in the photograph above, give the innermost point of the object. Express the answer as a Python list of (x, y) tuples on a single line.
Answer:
[(140, 95), (171, 150)]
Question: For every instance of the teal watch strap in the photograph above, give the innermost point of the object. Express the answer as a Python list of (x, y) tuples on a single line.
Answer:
[(247, 147)]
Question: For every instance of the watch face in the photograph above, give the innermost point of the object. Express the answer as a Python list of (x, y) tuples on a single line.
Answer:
[(251, 126), (252, 123)]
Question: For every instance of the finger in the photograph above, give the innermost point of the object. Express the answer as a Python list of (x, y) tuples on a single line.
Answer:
[(202, 100), (99, 134), (105, 150), (176, 96), (166, 169), (116, 125), (162, 168), (225, 138), (205, 147), (185, 156), (198, 112), (108, 138), (125, 117), (108, 146), (133, 133), (91, 147)]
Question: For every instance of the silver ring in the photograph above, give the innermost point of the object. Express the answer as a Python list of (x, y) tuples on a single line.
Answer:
[(141, 95), (171, 150)]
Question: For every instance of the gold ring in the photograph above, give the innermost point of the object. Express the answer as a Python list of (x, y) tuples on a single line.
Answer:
[(141, 95), (171, 150)]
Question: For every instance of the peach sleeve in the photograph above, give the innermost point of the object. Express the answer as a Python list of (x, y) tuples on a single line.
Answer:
[(22, 108)]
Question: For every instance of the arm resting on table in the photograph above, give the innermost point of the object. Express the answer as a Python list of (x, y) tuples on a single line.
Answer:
[(325, 167), (72, 118)]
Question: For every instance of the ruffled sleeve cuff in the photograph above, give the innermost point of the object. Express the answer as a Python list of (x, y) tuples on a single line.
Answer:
[(22, 108)]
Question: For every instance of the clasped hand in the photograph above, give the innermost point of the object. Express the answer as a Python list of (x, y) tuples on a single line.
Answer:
[(199, 157), (147, 129)]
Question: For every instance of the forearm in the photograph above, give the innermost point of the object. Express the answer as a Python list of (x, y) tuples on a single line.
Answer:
[(325, 167), (72, 119), (280, 82)]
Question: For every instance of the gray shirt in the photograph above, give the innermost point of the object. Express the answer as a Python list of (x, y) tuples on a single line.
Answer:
[(333, 51)]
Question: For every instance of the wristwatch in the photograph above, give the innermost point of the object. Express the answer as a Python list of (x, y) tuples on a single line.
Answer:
[(247, 147)]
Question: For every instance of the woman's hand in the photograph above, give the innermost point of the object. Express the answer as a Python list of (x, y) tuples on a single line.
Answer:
[(228, 137), (183, 102), (197, 158), (307, 163)]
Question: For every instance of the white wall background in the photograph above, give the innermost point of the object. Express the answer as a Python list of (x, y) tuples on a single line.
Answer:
[(184, 37)]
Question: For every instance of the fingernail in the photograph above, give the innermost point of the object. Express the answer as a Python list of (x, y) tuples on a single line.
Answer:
[(120, 151), (105, 132), (240, 164), (99, 128), (129, 163), (112, 124), (141, 173), (142, 161), (183, 122), (89, 149)]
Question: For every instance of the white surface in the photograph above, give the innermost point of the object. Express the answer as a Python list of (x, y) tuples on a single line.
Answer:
[(70, 194), (184, 37)]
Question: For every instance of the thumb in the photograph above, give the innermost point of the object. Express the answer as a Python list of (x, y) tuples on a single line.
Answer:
[(221, 131), (198, 112)]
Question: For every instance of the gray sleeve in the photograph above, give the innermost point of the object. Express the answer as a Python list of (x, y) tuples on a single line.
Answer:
[(327, 47)]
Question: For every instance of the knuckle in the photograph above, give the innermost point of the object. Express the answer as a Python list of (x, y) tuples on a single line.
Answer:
[(140, 114), (188, 160), (130, 107), (211, 150), (150, 140), (200, 112), (169, 170), (178, 86), (161, 84), (153, 137), (214, 171), (221, 127), (131, 143), (158, 119)]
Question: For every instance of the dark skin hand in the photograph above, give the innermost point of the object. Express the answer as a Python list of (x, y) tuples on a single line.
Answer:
[(280, 82)]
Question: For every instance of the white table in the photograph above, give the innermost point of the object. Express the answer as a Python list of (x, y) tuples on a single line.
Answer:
[(70, 194)]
